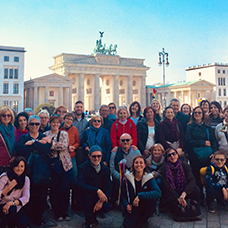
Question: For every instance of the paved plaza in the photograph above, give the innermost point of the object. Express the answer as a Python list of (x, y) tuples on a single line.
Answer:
[(114, 220)]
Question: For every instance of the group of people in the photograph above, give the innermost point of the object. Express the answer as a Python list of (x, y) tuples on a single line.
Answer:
[(139, 160)]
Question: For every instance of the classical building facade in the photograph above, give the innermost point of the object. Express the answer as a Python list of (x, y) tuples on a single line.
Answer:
[(53, 88), (216, 73), (186, 92), (12, 77), (101, 79)]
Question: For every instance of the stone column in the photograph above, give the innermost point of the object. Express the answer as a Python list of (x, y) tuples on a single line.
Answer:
[(36, 97), (46, 94), (168, 98), (182, 97), (27, 97), (66, 97), (81, 87), (70, 99), (96, 92), (143, 92), (129, 90), (60, 97), (116, 90)]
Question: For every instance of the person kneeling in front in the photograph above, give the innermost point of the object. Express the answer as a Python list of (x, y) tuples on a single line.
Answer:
[(94, 180)]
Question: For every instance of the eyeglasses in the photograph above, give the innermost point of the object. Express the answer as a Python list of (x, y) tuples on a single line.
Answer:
[(6, 115), (34, 124), (197, 113), (171, 154), (219, 159), (43, 118), (96, 156), (55, 115), (111, 107), (127, 140), (98, 121)]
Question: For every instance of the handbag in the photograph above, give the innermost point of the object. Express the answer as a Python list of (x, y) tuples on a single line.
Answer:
[(189, 213), (55, 162), (203, 153)]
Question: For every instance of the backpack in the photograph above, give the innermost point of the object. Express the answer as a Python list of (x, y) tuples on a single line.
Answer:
[(203, 173)]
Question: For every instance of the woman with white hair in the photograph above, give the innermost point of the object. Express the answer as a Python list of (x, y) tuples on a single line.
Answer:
[(7, 137), (44, 118)]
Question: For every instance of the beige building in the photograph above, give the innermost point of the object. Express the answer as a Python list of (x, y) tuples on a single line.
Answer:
[(216, 73), (186, 92), (101, 79), (53, 88)]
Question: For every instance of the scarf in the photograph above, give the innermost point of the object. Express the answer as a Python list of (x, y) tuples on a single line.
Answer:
[(173, 125), (180, 175), (9, 136), (95, 136)]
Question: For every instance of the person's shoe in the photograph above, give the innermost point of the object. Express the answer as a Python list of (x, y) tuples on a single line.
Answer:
[(95, 222), (211, 208), (67, 218), (88, 226), (59, 219)]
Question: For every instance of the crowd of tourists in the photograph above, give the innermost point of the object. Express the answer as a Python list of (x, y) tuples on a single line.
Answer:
[(164, 160)]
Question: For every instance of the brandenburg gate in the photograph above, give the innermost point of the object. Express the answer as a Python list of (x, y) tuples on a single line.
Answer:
[(103, 77)]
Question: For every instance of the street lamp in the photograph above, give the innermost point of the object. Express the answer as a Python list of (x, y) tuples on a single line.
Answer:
[(163, 60)]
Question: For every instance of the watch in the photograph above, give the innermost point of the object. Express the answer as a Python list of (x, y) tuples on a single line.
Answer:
[(14, 202)]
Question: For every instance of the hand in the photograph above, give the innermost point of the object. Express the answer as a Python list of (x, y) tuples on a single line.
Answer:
[(136, 201), (71, 149), (29, 143), (221, 115), (102, 196), (12, 159), (5, 209), (42, 141), (212, 157), (98, 206), (129, 208), (181, 199), (134, 147), (46, 139), (105, 163), (114, 149), (87, 148), (208, 143), (225, 193), (179, 151), (146, 153)]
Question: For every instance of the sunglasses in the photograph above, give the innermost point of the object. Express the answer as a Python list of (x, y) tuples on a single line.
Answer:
[(34, 124), (98, 121), (123, 140), (6, 115), (197, 113), (55, 115), (219, 159), (112, 107), (171, 154), (96, 156)]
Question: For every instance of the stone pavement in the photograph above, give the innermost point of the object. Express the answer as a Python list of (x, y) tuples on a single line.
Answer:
[(114, 220)]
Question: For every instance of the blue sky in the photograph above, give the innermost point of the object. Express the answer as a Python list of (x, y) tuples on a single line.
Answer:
[(192, 32)]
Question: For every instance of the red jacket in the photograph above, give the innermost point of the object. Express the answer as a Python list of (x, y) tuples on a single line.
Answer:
[(118, 129)]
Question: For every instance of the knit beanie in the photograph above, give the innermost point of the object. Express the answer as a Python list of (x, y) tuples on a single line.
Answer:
[(94, 148)]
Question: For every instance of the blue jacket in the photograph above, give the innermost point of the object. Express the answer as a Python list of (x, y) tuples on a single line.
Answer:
[(150, 189)]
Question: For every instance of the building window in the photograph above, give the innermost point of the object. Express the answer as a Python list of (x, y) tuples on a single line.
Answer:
[(199, 74), (219, 81), (218, 71), (51, 93), (220, 92), (224, 103), (15, 106), (224, 81), (5, 88), (224, 92), (6, 58), (16, 59), (15, 88), (6, 73), (223, 71), (6, 103), (15, 73), (11, 73)]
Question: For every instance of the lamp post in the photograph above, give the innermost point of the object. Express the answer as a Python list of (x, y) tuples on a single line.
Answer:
[(163, 60)]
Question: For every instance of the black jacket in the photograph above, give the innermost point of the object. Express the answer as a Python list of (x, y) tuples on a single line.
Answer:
[(142, 133)]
